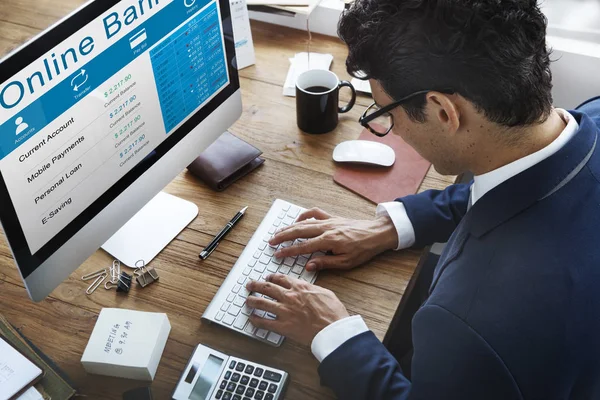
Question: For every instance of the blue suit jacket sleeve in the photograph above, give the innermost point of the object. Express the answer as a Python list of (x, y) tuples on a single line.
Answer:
[(450, 361), (435, 214)]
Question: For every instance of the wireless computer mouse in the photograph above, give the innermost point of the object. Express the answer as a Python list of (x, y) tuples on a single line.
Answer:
[(365, 152)]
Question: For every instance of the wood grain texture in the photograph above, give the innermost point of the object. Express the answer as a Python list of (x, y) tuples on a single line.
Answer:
[(298, 168)]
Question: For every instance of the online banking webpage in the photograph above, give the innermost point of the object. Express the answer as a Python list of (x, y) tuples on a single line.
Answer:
[(78, 119)]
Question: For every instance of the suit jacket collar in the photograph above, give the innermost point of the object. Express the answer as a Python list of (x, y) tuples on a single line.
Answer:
[(521, 191)]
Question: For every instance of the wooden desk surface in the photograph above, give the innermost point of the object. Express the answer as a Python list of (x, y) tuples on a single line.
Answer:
[(298, 168)]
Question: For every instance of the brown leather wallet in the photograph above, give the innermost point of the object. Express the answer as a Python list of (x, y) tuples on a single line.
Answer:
[(225, 161)]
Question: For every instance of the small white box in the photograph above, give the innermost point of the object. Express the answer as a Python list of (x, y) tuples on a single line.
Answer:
[(126, 344)]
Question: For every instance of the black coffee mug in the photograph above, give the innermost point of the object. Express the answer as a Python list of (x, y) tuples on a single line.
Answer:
[(317, 100)]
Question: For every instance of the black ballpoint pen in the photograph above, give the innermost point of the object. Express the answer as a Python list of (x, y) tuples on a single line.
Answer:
[(215, 242)]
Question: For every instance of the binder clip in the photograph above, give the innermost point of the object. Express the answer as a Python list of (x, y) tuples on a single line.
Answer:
[(145, 275), (124, 282)]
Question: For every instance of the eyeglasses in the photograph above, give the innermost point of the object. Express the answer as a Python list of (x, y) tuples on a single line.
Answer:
[(380, 122)]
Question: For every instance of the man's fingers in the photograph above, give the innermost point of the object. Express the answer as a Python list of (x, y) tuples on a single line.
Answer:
[(315, 213), (280, 280), (260, 303), (267, 288), (264, 323), (310, 246), (294, 232), (328, 262)]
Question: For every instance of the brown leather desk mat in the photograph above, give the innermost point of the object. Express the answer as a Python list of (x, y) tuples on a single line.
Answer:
[(382, 184)]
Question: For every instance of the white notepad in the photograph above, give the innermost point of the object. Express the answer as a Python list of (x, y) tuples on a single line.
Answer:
[(16, 371)]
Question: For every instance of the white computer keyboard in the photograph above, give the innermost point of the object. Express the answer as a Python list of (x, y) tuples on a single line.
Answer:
[(228, 307)]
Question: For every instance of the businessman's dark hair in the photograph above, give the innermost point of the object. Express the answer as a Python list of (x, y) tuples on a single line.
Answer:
[(491, 52)]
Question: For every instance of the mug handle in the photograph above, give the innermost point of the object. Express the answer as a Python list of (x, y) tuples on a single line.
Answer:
[(350, 104)]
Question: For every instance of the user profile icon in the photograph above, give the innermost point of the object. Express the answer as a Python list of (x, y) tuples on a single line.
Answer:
[(21, 125)]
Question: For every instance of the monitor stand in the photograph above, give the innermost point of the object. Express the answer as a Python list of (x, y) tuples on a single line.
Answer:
[(151, 229)]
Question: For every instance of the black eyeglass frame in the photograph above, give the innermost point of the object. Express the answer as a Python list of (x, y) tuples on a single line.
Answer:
[(365, 119)]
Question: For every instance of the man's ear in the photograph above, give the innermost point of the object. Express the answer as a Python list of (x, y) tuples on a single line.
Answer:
[(445, 110)]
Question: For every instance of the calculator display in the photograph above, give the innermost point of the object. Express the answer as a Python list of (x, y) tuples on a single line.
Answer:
[(208, 376)]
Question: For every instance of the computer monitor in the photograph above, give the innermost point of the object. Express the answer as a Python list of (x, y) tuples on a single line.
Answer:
[(98, 114)]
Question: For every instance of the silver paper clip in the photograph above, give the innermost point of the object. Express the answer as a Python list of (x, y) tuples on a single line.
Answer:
[(96, 283), (93, 275), (115, 272)]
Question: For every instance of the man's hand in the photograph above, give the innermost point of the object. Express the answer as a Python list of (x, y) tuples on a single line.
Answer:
[(348, 242), (302, 309)]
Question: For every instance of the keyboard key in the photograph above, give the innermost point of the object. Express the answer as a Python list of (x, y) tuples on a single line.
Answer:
[(234, 310), (223, 385), (250, 391), (227, 374), (225, 307), (272, 376), (247, 271), (232, 365), (269, 251), (263, 385), (236, 377), (266, 238), (308, 275), (289, 261), (240, 367), (301, 261), (227, 396), (277, 223), (231, 387), (293, 212), (236, 288), (269, 396), (219, 394), (272, 267), (228, 319), (297, 269), (272, 388), (281, 215), (252, 263), (264, 259), (236, 397), (262, 333), (239, 301), (270, 316), (262, 246), (240, 389), (274, 338), (220, 315), (261, 267), (230, 297), (294, 275), (254, 381), (240, 322), (247, 310), (242, 280), (250, 328), (283, 223), (288, 220), (286, 207), (254, 275), (277, 260), (246, 379), (249, 369), (244, 292), (272, 230), (258, 373), (257, 254), (259, 395), (284, 269), (259, 313)]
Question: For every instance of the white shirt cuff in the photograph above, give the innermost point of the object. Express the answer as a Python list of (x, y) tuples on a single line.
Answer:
[(397, 213), (336, 334)]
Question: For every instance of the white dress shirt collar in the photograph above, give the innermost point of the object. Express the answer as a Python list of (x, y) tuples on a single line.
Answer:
[(486, 182)]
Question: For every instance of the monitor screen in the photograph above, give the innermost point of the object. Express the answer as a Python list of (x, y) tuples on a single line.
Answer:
[(101, 104)]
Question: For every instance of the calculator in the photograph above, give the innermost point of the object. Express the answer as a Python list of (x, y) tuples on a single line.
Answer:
[(213, 375)]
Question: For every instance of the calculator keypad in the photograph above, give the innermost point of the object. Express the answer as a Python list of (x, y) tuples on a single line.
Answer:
[(242, 382)]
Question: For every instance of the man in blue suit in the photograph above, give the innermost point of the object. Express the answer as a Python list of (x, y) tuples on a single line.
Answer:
[(514, 307)]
